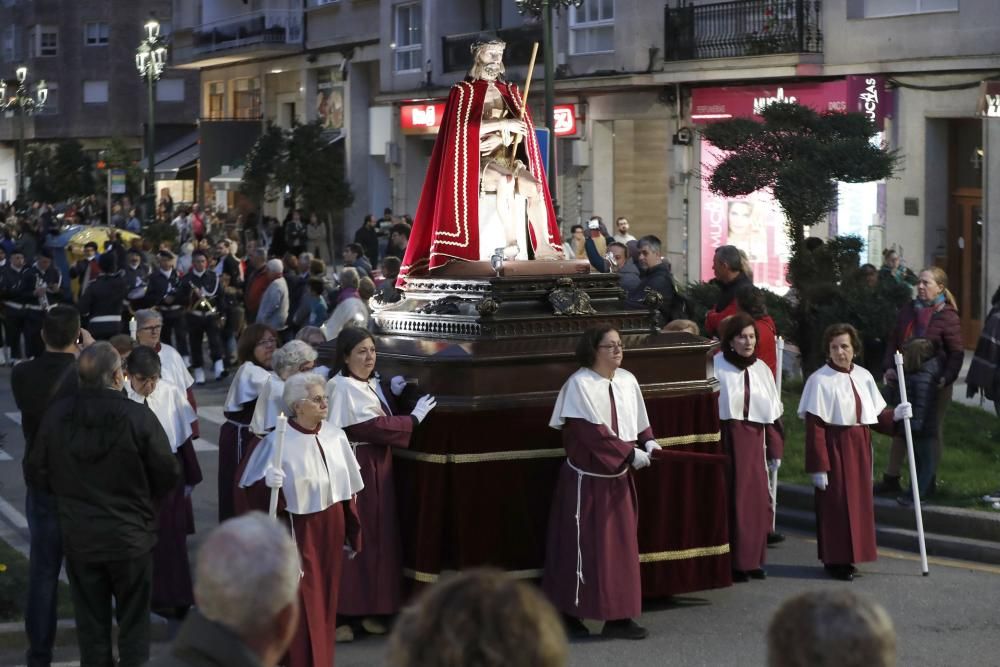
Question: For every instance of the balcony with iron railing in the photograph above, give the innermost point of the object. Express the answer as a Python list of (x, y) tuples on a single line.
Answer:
[(743, 28), (253, 34), (458, 57)]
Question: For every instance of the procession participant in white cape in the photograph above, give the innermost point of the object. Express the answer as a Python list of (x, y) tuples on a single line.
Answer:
[(749, 409), (173, 369), (172, 588), (317, 479), (367, 410), (254, 352), (315, 337), (592, 553), (840, 404), (293, 357)]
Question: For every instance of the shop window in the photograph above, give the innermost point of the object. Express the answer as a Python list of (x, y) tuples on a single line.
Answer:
[(409, 37), (592, 27)]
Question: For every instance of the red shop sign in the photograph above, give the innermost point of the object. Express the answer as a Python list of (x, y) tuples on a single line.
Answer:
[(421, 118), (564, 119)]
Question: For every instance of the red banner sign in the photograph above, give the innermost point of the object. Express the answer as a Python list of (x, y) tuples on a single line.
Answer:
[(421, 118), (564, 119)]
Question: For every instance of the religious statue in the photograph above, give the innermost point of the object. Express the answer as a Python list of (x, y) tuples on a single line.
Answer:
[(485, 186)]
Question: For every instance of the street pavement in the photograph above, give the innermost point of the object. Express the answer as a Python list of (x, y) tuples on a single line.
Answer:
[(951, 617)]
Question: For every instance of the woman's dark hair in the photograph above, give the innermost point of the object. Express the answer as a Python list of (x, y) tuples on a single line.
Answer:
[(916, 352), (317, 286), (732, 326), (840, 329), (249, 339), (586, 346), (750, 300), (143, 361), (347, 340)]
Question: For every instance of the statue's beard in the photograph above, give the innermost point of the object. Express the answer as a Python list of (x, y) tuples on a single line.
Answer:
[(488, 71)]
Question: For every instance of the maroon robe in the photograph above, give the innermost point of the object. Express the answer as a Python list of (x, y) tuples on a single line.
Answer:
[(371, 582), (609, 518), (175, 521), (845, 510), (320, 537), (234, 441)]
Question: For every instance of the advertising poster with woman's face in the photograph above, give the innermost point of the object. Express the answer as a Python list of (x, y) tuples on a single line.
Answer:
[(754, 224), (330, 99)]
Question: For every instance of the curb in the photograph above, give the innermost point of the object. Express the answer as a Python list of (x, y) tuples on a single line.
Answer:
[(948, 531)]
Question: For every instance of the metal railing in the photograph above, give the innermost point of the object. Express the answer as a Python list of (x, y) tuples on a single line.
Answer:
[(268, 26), (743, 28), (457, 56)]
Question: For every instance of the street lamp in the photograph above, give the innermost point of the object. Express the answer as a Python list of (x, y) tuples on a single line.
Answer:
[(150, 59), (22, 104), (544, 8)]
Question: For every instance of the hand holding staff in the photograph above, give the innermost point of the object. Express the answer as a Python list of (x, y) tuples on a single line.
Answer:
[(914, 486), (276, 463)]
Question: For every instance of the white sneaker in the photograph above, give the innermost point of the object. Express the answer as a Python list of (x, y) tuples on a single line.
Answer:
[(187, 360), (199, 376), (992, 497), (218, 370)]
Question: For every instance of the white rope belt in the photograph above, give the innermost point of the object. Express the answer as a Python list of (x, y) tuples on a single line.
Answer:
[(105, 319), (13, 305), (239, 437), (579, 552)]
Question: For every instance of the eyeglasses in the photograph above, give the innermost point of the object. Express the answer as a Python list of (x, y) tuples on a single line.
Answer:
[(267, 342), (158, 327), (613, 346), (318, 400)]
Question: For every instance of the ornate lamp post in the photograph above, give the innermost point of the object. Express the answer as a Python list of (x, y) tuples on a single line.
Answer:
[(150, 59), (22, 104), (544, 9)]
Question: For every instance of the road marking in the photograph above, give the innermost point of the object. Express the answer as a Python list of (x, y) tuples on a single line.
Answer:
[(13, 517), (14, 417), (212, 413), (202, 445), (4, 456)]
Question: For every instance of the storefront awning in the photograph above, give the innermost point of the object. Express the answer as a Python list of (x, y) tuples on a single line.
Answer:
[(178, 160), (229, 180)]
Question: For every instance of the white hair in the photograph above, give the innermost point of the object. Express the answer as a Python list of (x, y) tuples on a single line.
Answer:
[(297, 388), (275, 265), (247, 571), (290, 357), (146, 315)]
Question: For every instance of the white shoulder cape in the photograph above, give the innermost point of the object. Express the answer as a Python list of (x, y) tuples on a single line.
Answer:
[(828, 395), (269, 405), (247, 383), (353, 401), (348, 311), (320, 468), (585, 396), (765, 405), (172, 410), (173, 368)]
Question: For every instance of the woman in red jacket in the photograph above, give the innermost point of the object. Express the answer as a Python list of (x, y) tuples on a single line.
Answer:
[(932, 315)]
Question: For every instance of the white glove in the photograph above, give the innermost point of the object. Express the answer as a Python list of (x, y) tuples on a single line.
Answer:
[(773, 465), (397, 384), (902, 411), (187, 490), (274, 477), (640, 459), (650, 445), (820, 480), (424, 405), (350, 552)]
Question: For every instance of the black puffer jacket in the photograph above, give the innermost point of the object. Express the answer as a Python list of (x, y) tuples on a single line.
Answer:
[(106, 459), (921, 391)]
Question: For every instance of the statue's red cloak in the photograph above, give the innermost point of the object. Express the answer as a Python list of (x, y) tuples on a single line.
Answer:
[(446, 225)]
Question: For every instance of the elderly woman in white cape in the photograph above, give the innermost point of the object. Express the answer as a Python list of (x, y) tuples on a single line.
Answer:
[(841, 404), (316, 477), (293, 357), (172, 587), (749, 410), (592, 554), (255, 351), (369, 413)]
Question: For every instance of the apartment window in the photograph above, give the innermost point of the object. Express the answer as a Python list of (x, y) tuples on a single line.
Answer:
[(52, 101), (216, 100), (95, 92), (246, 98), (170, 90), (409, 36), (43, 42), (592, 27), (95, 33), (10, 44), (878, 8)]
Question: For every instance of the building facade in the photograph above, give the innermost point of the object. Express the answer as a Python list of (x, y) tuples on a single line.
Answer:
[(84, 50)]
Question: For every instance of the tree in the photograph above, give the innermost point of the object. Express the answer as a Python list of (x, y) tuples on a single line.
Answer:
[(263, 166), (801, 155), (37, 169), (116, 155)]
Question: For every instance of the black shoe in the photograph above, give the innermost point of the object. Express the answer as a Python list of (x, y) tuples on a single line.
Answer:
[(775, 538), (841, 572), (625, 628), (759, 573), (740, 577), (575, 629), (889, 486)]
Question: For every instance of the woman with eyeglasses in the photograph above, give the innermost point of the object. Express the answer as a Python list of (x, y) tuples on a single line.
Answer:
[(316, 479), (293, 357), (592, 552), (172, 589), (254, 351), (749, 410), (368, 411)]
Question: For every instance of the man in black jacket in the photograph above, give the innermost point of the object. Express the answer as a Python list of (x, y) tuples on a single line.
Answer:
[(654, 273), (246, 583), (367, 237), (163, 294), (104, 299), (200, 289), (36, 384), (106, 459), (13, 302)]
